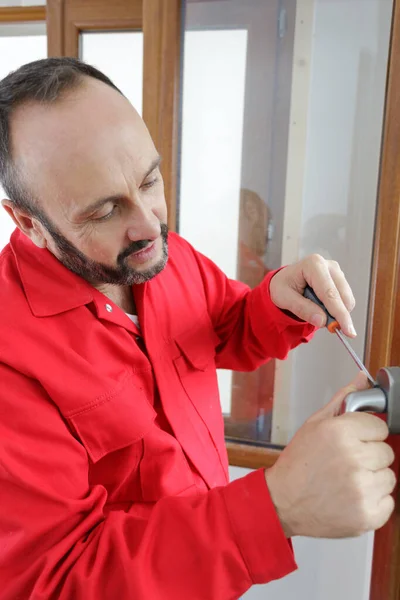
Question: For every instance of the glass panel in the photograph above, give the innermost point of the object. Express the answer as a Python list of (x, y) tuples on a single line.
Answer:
[(19, 44), (215, 60), (282, 120), (119, 54)]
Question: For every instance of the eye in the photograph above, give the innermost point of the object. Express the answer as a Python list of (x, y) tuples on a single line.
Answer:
[(106, 216), (149, 184)]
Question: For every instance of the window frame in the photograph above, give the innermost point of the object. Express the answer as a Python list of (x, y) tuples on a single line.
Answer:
[(24, 14)]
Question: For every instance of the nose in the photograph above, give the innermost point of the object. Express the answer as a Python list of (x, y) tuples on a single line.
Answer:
[(144, 225)]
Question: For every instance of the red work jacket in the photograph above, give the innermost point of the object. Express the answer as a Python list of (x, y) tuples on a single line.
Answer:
[(113, 468)]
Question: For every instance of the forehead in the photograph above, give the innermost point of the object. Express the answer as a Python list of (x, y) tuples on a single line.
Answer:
[(85, 144)]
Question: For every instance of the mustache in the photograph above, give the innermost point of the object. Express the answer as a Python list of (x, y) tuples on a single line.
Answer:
[(140, 245), (134, 247)]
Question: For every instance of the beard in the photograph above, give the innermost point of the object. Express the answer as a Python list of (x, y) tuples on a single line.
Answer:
[(97, 272)]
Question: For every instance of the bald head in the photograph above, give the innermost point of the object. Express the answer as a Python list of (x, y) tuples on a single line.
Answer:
[(43, 81), (87, 144)]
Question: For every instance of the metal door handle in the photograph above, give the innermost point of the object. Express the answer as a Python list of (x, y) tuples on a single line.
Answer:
[(383, 398)]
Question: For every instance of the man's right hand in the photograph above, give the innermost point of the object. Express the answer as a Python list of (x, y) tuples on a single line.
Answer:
[(333, 479)]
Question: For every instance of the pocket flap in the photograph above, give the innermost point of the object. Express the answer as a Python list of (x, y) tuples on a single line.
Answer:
[(115, 421), (198, 345)]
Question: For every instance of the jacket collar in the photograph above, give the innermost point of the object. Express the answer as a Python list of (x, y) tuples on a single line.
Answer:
[(50, 288)]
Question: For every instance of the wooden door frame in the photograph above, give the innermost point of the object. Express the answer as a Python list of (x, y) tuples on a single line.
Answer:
[(162, 29), (160, 21), (22, 14), (67, 19)]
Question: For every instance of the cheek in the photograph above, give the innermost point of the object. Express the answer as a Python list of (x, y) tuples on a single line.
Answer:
[(159, 205), (103, 247)]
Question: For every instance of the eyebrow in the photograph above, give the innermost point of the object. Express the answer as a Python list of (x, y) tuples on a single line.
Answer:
[(94, 206)]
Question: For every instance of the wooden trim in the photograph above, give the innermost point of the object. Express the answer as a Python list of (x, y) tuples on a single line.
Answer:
[(385, 273), (251, 457), (383, 346), (55, 28), (109, 25), (161, 86), (72, 47), (71, 40), (22, 14), (66, 19)]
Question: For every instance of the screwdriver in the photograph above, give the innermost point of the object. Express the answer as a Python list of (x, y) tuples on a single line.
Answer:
[(333, 326)]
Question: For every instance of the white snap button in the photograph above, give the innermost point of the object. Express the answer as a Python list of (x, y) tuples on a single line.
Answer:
[(108, 308)]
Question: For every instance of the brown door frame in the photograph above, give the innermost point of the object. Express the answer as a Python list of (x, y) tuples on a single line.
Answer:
[(162, 30), (22, 14), (160, 21)]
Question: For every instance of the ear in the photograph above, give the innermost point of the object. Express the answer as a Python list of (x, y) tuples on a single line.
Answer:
[(26, 223)]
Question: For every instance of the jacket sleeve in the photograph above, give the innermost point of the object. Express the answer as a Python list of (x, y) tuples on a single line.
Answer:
[(59, 541), (251, 328)]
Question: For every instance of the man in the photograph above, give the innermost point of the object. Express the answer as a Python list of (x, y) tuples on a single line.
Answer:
[(113, 470)]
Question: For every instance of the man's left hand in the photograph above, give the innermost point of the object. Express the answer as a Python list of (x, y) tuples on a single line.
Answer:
[(328, 282)]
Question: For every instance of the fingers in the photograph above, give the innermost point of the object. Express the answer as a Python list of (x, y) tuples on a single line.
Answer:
[(342, 285), (384, 512), (377, 456), (365, 427), (331, 287), (384, 481)]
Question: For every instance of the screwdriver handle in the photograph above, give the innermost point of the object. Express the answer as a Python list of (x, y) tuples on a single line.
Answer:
[(331, 324)]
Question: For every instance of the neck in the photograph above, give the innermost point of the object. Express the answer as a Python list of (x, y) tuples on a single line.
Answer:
[(122, 296)]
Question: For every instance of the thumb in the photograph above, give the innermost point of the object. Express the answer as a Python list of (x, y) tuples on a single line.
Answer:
[(333, 408)]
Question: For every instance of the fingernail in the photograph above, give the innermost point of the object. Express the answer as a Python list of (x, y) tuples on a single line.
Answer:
[(317, 320), (352, 330)]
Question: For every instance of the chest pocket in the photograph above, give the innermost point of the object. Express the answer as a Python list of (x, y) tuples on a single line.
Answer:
[(115, 420), (195, 367)]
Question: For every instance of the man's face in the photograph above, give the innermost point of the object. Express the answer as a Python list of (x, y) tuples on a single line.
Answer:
[(90, 162)]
